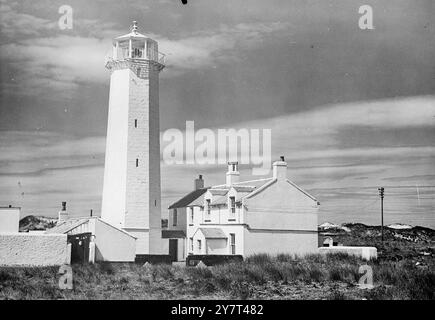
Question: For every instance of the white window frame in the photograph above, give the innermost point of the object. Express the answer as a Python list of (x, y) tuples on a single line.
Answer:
[(174, 217), (232, 206), (232, 243), (208, 213), (191, 216)]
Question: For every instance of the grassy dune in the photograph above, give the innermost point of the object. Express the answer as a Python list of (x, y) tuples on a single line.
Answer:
[(259, 277)]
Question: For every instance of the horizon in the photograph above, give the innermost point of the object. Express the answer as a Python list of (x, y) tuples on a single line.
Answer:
[(351, 110)]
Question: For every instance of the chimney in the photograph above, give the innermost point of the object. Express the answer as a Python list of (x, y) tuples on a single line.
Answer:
[(199, 183), (63, 214), (280, 169), (232, 173)]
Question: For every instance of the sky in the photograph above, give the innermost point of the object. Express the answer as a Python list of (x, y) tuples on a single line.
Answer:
[(350, 109)]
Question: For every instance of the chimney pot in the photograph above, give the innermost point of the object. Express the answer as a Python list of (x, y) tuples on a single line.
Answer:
[(232, 173), (63, 215), (280, 169), (198, 183)]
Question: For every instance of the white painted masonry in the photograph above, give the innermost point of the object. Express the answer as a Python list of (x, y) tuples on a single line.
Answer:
[(270, 215), (366, 253), (9, 219), (26, 249), (131, 191), (111, 244)]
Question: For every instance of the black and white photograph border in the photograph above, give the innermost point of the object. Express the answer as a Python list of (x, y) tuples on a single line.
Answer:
[(186, 150)]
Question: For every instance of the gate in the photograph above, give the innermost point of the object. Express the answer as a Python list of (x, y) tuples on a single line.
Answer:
[(80, 247)]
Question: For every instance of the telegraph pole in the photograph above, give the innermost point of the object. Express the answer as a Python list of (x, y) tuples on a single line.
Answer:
[(381, 193)]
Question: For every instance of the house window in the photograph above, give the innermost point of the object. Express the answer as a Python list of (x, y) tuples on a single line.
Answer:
[(233, 243), (135, 123), (233, 205), (191, 244), (174, 218), (137, 162), (199, 245), (208, 211), (191, 215)]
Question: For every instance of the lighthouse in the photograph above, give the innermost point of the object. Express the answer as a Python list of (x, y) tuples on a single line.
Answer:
[(131, 191)]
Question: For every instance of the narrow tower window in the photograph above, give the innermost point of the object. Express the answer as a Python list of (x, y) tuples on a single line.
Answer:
[(137, 162), (135, 123), (138, 72)]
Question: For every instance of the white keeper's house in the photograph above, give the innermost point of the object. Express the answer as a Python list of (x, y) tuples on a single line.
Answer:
[(271, 215)]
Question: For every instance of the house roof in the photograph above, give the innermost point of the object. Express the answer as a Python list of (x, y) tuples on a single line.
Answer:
[(218, 192), (244, 188), (67, 225), (219, 201), (213, 233), (72, 223), (171, 234), (198, 201), (186, 200)]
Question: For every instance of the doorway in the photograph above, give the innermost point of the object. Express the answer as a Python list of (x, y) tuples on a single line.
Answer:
[(173, 249), (80, 247)]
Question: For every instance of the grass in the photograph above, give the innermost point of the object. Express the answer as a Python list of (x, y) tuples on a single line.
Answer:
[(258, 277)]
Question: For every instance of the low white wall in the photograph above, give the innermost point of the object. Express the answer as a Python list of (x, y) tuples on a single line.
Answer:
[(33, 249), (366, 253)]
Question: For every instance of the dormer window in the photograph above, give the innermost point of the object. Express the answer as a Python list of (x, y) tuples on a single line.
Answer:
[(191, 216), (208, 207), (233, 205)]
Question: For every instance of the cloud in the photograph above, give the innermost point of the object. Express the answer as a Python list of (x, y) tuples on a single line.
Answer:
[(206, 48), (36, 166), (14, 24), (43, 57)]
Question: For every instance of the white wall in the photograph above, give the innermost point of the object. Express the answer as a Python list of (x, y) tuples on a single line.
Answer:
[(131, 193), (33, 249), (9, 219), (366, 253), (113, 245), (182, 215), (281, 206), (275, 242), (115, 166), (217, 246)]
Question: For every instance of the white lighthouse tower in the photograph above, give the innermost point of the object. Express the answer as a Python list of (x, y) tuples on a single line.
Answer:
[(131, 191)]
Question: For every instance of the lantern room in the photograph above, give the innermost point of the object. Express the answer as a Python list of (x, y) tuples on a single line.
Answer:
[(135, 45)]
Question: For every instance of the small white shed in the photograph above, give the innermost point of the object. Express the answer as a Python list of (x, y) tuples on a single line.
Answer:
[(111, 243)]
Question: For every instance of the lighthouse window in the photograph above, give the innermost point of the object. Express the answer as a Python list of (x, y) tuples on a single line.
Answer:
[(137, 53), (137, 162)]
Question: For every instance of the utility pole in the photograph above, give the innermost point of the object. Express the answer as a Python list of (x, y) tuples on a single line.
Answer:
[(381, 193)]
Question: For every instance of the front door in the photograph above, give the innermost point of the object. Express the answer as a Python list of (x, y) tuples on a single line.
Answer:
[(79, 247), (173, 249)]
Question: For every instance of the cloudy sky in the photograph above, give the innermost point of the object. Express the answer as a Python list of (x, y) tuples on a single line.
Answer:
[(350, 109)]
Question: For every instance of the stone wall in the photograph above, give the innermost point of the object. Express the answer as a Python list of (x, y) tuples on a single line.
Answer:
[(33, 249)]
